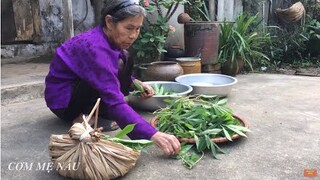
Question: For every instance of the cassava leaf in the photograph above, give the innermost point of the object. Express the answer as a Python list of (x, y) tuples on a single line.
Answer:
[(208, 141), (222, 101), (236, 130), (213, 151), (218, 148), (241, 128), (138, 86), (227, 135), (188, 156), (211, 131), (133, 144), (185, 148), (125, 131)]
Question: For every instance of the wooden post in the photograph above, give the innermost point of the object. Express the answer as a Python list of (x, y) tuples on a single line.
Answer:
[(220, 13), (238, 8), (212, 10), (97, 7), (265, 13), (23, 20), (8, 26), (229, 10), (68, 19), (36, 20)]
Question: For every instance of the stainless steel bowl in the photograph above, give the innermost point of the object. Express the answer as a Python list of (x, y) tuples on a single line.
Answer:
[(157, 101), (208, 84)]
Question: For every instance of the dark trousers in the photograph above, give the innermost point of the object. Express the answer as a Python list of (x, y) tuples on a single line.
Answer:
[(82, 101)]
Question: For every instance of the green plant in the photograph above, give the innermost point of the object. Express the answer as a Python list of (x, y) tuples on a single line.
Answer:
[(150, 44), (288, 45), (312, 31), (240, 41), (295, 45), (313, 8), (198, 10), (313, 28)]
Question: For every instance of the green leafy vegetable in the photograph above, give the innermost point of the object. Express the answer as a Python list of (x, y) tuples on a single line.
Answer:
[(133, 144), (138, 86), (201, 118), (126, 130), (189, 156), (158, 90)]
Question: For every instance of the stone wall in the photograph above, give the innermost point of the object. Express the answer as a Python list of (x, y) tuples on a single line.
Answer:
[(52, 28), (83, 15)]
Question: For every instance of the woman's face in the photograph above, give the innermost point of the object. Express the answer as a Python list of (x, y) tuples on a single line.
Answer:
[(123, 33)]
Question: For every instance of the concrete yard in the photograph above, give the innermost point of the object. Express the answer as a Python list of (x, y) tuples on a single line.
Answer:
[(283, 112)]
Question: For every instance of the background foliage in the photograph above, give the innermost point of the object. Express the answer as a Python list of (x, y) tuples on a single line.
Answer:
[(295, 44)]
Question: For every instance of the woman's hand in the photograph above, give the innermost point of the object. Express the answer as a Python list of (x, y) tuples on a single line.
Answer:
[(169, 144), (148, 90)]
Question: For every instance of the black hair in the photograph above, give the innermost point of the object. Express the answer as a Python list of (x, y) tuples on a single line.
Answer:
[(120, 10)]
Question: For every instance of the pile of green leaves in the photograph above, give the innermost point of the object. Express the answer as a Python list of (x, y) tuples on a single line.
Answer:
[(133, 144), (202, 118)]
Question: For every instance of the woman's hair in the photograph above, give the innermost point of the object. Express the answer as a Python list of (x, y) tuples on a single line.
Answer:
[(120, 10)]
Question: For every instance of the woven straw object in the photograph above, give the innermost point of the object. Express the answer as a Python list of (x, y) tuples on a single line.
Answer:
[(291, 14), (81, 154)]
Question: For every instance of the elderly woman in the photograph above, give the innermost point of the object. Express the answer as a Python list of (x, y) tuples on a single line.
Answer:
[(94, 64)]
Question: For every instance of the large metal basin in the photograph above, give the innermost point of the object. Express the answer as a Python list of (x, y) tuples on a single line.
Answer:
[(157, 101), (208, 84)]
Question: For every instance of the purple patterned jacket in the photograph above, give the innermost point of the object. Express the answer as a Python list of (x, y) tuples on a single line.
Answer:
[(90, 57)]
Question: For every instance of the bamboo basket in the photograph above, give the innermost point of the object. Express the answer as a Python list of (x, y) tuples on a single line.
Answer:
[(81, 154), (291, 14)]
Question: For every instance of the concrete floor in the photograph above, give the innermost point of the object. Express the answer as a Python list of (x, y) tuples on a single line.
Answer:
[(282, 111)]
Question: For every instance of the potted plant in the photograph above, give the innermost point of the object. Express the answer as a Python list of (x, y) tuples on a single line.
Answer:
[(198, 10), (151, 43), (201, 34), (239, 45)]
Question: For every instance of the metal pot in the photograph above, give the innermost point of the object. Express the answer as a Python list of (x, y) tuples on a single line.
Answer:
[(208, 84)]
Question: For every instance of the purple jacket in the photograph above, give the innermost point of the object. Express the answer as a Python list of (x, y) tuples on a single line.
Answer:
[(90, 57)]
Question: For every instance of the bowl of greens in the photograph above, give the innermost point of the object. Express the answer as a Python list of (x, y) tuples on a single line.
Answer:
[(163, 91)]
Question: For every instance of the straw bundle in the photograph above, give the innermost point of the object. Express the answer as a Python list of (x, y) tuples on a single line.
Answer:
[(291, 14), (83, 155)]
